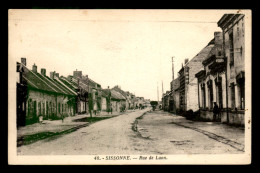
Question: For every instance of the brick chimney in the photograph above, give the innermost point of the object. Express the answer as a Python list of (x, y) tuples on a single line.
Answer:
[(77, 74), (43, 71), (57, 75), (218, 37), (23, 61), (34, 68), (52, 75), (186, 60)]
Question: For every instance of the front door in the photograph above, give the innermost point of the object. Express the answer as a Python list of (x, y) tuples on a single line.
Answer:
[(34, 109)]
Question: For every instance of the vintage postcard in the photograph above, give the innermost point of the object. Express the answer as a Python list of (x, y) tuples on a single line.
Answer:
[(131, 87)]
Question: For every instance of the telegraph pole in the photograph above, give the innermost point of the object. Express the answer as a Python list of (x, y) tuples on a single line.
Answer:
[(157, 93), (172, 68), (173, 106), (162, 88)]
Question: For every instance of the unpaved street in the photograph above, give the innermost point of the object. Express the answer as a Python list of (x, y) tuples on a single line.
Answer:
[(111, 136), (164, 133), (153, 133)]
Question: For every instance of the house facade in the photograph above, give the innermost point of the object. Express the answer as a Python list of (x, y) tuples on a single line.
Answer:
[(175, 94), (212, 80), (166, 101), (188, 89), (233, 29), (41, 96), (118, 101)]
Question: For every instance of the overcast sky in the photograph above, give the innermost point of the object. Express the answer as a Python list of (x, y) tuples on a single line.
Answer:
[(129, 48)]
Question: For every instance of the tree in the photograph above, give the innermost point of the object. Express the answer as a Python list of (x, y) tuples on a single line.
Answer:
[(154, 103)]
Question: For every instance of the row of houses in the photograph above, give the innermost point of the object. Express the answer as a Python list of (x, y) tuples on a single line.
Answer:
[(56, 97), (215, 75)]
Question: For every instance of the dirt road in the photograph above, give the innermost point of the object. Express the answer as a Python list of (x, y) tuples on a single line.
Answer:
[(153, 133)]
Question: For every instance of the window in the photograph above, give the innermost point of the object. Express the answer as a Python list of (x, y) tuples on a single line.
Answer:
[(219, 92), (43, 108), (211, 97), (59, 108), (50, 108), (203, 95), (53, 108), (30, 107), (242, 92), (231, 49), (233, 100), (34, 108), (47, 109), (39, 108)]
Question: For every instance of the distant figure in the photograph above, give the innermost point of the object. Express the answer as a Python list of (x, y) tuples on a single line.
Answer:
[(62, 117), (215, 111), (95, 108), (219, 112), (41, 119)]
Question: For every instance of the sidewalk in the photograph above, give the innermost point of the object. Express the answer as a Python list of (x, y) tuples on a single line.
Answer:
[(236, 134), (37, 131)]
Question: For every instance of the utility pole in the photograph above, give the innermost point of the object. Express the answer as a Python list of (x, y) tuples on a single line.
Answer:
[(174, 108), (162, 88), (172, 68)]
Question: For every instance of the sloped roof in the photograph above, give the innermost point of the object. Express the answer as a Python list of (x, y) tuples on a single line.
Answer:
[(84, 82), (121, 91), (104, 93), (82, 85), (203, 54), (68, 83), (63, 86), (91, 83), (38, 81), (117, 95), (114, 94)]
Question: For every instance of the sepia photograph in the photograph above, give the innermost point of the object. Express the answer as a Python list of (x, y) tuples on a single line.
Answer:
[(132, 86)]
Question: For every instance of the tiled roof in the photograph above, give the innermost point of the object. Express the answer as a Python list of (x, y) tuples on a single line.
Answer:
[(117, 95), (114, 94), (63, 86), (68, 83), (203, 54), (104, 93), (44, 83), (121, 92), (82, 84), (91, 83)]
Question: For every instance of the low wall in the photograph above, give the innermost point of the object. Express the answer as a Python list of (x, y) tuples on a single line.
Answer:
[(236, 118)]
